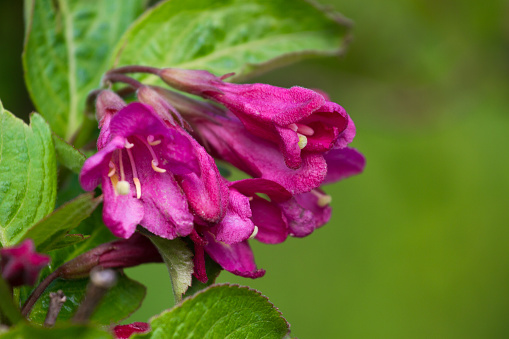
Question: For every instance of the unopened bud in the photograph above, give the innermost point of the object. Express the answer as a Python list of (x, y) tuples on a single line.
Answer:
[(107, 102), (192, 81), (162, 107)]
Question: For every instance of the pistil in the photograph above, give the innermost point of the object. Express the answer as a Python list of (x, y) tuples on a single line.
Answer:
[(323, 199), (133, 167), (122, 187)]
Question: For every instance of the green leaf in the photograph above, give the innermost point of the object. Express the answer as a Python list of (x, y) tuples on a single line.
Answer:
[(67, 48), (25, 330), (221, 311), (118, 303), (244, 37), (179, 261), (213, 269), (7, 307), (52, 228), (68, 240), (67, 155), (28, 175)]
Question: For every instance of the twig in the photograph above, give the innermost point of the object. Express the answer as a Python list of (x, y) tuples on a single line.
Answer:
[(100, 282), (57, 300)]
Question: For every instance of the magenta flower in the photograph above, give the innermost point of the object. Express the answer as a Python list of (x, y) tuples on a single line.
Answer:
[(126, 331), (136, 164), (20, 265), (230, 141), (299, 120)]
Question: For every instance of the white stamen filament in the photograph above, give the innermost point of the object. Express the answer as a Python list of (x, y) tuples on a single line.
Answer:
[(135, 173), (152, 142), (112, 170), (303, 141), (306, 130), (323, 199), (255, 232), (121, 165)]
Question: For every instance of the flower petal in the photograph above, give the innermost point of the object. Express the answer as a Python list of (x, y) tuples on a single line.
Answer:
[(236, 226), (343, 163), (237, 258), (271, 223)]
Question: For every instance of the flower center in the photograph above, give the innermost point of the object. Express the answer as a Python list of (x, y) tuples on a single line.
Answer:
[(303, 131), (122, 187)]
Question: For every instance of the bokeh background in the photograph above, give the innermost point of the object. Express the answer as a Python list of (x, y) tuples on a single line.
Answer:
[(418, 245)]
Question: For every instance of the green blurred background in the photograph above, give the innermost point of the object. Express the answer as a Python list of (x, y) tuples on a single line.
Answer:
[(417, 246)]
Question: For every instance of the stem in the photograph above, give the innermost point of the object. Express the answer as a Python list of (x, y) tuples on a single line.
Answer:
[(57, 300), (115, 77), (100, 282), (37, 292), (136, 69)]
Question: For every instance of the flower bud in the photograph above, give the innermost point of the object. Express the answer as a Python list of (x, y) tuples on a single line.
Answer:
[(20, 265), (191, 81), (107, 103), (117, 254)]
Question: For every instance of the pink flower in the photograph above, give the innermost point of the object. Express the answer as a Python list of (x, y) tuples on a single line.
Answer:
[(301, 121), (125, 331), (138, 159), (20, 265)]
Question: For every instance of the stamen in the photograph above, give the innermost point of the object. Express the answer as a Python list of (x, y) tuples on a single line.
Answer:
[(293, 127), (138, 187), (303, 141), (255, 232), (305, 129), (128, 145), (121, 165), (123, 187), (112, 171), (155, 162), (157, 169), (152, 142), (135, 174), (323, 199)]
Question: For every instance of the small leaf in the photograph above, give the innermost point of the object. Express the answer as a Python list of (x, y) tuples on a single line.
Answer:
[(221, 311), (67, 48), (53, 227), (118, 303), (67, 155), (25, 330), (179, 261), (213, 269), (28, 175), (7, 307), (68, 240), (244, 37)]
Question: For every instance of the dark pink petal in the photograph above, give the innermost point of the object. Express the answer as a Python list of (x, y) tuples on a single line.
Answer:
[(140, 120), (301, 222), (311, 202), (250, 187), (97, 166), (346, 136), (125, 331), (121, 213), (289, 147), (260, 158), (166, 212), (271, 223), (20, 265), (237, 258), (236, 226), (343, 163), (206, 191)]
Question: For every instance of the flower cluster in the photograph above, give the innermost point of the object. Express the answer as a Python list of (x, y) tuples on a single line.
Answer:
[(156, 162)]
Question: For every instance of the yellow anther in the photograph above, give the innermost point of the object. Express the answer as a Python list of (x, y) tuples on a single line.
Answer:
[(324, 200), (303, 141), (112, 170), (138, 187), (123, 187), (157, 169), (255, 232), (152, 142)]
